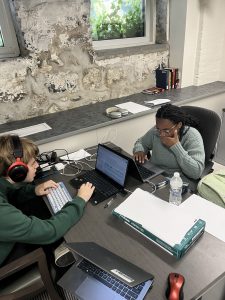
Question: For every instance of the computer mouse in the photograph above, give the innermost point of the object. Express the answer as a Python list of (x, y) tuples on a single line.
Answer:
[(174, 290)]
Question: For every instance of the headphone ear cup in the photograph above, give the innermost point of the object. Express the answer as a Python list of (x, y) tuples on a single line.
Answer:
[(18, 171)]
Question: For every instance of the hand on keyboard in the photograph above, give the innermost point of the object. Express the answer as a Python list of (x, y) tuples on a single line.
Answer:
[(43, 188), (140, 156), (85, 191)]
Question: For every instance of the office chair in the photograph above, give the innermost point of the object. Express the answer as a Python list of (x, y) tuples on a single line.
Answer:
[(26, 277), (209, 127)]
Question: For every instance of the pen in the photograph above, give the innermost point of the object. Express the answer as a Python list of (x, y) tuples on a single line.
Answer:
[(108, 203), (162, 183)]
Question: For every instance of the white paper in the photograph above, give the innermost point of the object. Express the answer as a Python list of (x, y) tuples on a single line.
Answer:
[(157, 101), (159, 217), (80, 154), (29, 130), (212, 214), (133, 107)]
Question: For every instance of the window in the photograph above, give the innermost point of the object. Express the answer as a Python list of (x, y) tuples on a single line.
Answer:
[(8, 42), (122, 23)]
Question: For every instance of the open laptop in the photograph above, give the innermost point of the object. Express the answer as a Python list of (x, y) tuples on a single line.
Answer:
[(108, 177), (100, 274), (142, 172)]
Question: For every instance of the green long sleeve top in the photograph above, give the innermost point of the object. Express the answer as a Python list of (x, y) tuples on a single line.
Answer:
[(187, 156), (17, 227)]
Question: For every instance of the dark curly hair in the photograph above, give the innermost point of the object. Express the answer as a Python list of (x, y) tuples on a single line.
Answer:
[(176, 114)]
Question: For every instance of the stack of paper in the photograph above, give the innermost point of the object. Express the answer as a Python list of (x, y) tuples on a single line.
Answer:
[(133, 107), (213, 214), (157, 102), (162, 222)]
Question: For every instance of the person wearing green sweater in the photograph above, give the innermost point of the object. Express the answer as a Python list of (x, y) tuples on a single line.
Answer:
[(18, 167), (175, 145)]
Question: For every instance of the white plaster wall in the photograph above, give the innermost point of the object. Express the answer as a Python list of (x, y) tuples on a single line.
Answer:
[(198, 44), (191, 53), (211, 39), (203, 42)]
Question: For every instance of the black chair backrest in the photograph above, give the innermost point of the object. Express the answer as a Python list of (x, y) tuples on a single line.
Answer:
[(209, 127)]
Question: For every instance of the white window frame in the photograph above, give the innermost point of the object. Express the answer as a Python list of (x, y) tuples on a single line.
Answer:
[(10, 48), (150, 14)]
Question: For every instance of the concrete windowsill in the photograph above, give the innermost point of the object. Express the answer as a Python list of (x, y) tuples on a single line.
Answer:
[(90, 117)]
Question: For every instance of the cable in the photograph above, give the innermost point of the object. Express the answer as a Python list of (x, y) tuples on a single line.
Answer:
[(68, 164), (90, 158)]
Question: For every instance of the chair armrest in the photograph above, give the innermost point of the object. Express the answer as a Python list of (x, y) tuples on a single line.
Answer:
[(35, 256)]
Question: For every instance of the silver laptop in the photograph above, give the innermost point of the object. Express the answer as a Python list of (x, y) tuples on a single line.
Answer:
[(142, 172), (99, 274)]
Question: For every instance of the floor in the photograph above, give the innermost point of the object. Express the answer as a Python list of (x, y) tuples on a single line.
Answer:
[(44, 296)]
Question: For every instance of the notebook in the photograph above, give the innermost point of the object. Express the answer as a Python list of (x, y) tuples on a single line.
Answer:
[(100, 274), (142, 172), (108, 177)]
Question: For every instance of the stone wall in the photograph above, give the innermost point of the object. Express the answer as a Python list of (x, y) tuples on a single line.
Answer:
[(59, 69)]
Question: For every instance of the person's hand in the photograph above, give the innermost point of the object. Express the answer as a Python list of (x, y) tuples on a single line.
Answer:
[(169, 141), (43, 188), (140, 156), (85, 191)]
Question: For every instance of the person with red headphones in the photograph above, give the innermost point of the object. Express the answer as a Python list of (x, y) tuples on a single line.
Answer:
[(20, 225)]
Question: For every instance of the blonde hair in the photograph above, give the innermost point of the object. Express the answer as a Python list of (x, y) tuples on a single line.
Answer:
[(30, 150)]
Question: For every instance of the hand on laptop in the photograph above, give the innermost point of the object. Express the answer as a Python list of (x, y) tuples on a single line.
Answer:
[(140, 157), (85, 191)]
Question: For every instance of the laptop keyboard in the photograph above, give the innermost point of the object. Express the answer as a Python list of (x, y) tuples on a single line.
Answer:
[(100, 183), (58, 197), (129, 293), (145, 173)]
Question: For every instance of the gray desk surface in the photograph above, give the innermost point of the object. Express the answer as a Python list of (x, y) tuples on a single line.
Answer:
[(202, 266), (90, 117)]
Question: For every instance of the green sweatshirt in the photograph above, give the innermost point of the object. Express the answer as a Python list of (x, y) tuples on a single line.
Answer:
[(187, 156), (17, 227)]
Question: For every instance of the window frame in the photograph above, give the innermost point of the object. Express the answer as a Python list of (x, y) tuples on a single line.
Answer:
[(10, 48), (138, 41)]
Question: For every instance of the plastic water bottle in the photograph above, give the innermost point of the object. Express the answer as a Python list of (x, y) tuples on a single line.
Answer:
[(176, 184)]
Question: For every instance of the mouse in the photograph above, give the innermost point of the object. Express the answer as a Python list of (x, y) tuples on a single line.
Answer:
[(174, 290)]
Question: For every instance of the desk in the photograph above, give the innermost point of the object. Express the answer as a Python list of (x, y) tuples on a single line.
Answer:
[(202, 266)]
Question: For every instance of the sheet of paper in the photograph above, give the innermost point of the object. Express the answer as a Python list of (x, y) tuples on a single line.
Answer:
[(212, 214), (157, 101), (80, 154), (29, 130), (159, 217), (133, 107)]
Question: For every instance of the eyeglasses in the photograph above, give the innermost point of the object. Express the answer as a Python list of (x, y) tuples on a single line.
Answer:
[(165, 131)]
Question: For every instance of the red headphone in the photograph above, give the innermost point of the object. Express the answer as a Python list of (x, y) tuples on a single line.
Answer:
[(18, 170)]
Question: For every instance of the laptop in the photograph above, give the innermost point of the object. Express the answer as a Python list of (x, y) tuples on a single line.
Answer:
[(100, 274), (142, 172), (108, 177)]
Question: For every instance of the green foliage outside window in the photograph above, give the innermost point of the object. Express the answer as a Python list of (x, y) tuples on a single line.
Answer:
[(117, 19)]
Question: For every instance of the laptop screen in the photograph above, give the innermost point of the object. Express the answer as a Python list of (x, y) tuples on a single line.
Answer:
[(111, 164)]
